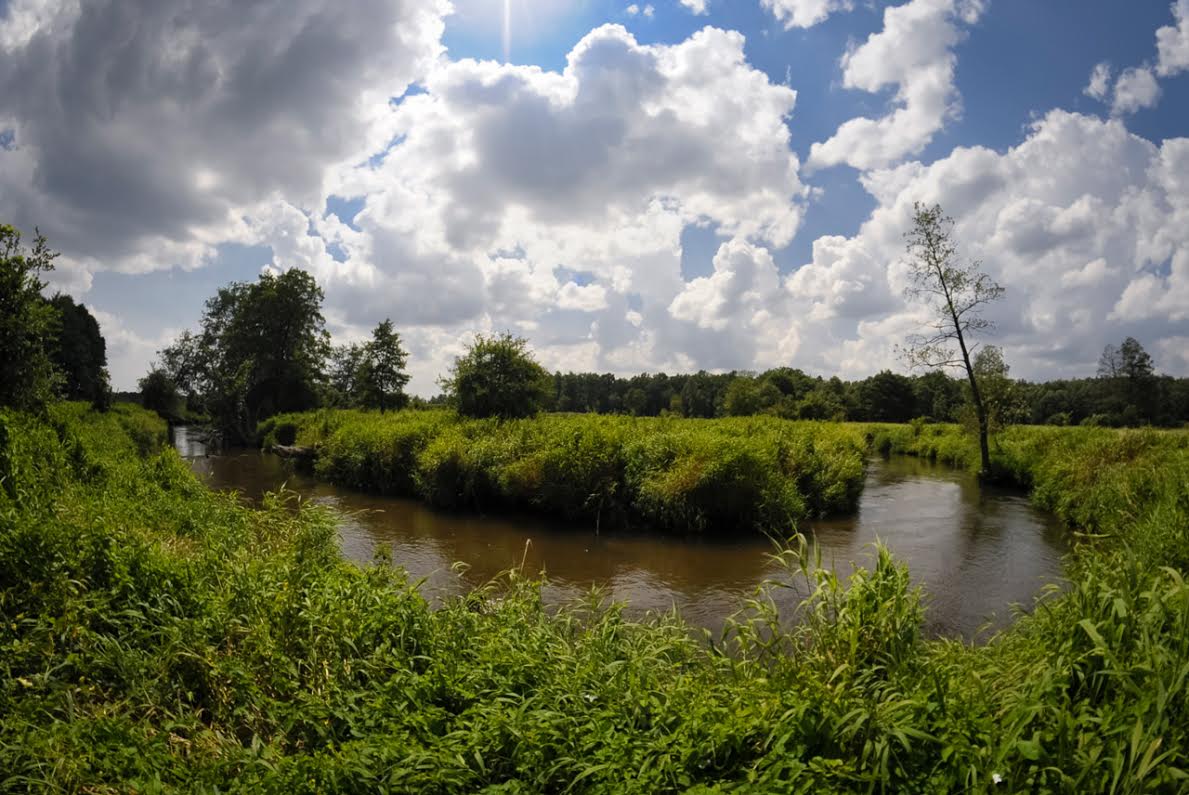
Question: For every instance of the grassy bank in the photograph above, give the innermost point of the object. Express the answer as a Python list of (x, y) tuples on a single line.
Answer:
[(757, 473), (157, 637)]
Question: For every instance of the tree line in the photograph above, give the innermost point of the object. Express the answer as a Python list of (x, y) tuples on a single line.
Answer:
[(262, 348), (1145, 399)]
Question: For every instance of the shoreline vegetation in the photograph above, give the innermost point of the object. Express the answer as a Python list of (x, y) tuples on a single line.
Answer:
[(158, 637), (752, 474)]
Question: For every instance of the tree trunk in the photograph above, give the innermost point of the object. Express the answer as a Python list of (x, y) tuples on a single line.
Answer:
[(984, 447)]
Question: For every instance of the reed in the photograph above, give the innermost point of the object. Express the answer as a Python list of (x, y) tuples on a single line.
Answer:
[(757, 474)]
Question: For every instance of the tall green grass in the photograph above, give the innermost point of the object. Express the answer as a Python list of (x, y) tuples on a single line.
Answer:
[(682, 475), (156, 637)]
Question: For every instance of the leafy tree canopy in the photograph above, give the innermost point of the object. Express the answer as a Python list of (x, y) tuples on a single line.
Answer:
[(261, 350), (498, 377), (28, 323), (80, 354), (381, 376)]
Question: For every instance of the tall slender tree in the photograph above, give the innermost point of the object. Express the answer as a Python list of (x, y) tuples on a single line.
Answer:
[(955, 292), (381, 376)]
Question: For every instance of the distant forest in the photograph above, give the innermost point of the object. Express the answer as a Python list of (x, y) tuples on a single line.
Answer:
[(1119, 398), (884, 397)]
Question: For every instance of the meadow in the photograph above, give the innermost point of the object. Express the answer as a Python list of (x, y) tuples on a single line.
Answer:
[(157, 637)]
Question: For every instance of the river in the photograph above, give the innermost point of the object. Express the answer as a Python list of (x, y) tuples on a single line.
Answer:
[(974, 550)]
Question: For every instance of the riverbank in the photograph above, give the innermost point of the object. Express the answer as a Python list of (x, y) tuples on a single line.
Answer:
[(157, 636), (974, 550)]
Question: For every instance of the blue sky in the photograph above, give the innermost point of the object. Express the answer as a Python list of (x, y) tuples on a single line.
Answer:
[(638, 199)]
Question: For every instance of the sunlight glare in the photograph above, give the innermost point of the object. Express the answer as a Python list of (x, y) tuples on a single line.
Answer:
[(507, 30)]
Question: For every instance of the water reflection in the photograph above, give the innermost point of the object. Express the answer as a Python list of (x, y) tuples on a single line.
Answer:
[(976, 551)]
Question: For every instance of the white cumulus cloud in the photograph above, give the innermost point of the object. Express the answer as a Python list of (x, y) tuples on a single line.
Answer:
[(1172, 42), (506, 180), (805, 13), (1135, 89), (142, 129), (914, 53), (1087, 255)]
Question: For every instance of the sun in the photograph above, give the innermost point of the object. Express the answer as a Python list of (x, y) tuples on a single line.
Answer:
[(518, 23)]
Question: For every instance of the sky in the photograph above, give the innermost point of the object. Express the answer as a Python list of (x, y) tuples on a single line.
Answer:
[(634, 187)]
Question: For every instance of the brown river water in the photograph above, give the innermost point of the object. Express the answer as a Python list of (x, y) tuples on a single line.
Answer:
[(976, 551)]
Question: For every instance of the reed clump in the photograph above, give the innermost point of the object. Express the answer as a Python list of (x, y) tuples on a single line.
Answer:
[(689, 476)]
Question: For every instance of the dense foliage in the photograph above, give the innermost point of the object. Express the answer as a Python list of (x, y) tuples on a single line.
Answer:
[(884, 397), (262, 350), (159, 393), (157, 637), (370, 374), (28, 324), (497, 377), (79, 354), (680, 475), (48, 347)]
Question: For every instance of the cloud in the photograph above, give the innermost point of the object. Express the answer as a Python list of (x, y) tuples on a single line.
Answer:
[(504, 181), (1172, 43), (634, 10), (737, 316), (513, 172), (1087, 255), (1099, 86), (696, 6), (143, 128), (804, 13), (744, 281), (914, 53), (553, 203), (128, 353), (1135, 89)]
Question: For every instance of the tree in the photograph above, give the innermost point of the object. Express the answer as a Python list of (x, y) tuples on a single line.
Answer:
[(745, 396), (1129, 381), (159, 393), (28, 323), (342, 375), (1108, 364), (1001, 396), (887, 397), (381, 374), (937, 396), (262, 350), (1134, 362), (80, 354), (955, 293), (497, 377), (821, 403)]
